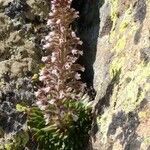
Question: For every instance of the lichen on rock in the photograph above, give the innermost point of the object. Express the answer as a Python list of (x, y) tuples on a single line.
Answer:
[(116, 46), (123, 96), (21, 30)]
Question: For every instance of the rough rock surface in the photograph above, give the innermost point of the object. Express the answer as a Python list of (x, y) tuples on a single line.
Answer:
[(22, 26), (122, 74), (116, 38)]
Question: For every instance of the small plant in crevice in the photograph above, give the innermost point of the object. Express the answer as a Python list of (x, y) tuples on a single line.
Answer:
[(62, 117), (69, 135)]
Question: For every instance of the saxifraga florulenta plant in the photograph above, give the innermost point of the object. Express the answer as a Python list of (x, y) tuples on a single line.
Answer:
[(61, 120)]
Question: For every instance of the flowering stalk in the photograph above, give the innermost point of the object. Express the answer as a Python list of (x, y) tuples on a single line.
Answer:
[(60, 76)]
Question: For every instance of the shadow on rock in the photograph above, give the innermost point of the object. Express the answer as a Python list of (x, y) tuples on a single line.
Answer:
[(87, 28), (104, 102), (139, 16), (128, 124)]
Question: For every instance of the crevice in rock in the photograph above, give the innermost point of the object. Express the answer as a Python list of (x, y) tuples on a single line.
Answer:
[(103, 103), (87, 28), (105, 100)]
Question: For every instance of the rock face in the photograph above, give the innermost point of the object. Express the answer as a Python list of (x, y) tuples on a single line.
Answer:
[(22, 26), (121, 80), (116, 36)]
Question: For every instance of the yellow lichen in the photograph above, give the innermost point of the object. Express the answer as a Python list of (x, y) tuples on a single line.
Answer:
[(131, 94), (21, 108), (120, 44), (114, 12), (147, 140), (130, 89), (104, 122), (114, 17), (144, 114), (126, 20), (128, 96), (116, 66)]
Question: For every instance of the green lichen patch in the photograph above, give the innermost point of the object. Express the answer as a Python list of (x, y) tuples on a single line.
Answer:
[(121, 43), (131, 61), (16, 142), (116, 65), (131, 94), (103, 122), (114, 12)]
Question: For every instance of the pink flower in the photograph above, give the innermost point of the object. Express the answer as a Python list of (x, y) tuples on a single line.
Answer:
[(77, 76), (76, 15), (72, 9), (46, 90), (60, 74), (37, 93), (44, 59), (43, 107), (72, 59), (62, 29), (83, 86), (39, 103), (80, 42), (60, 82), (51, 14), (73, 96), (47, 118), (69, 1), (53, 57), (47, 37), (77, 38), (42, 78), (58, 21), (52, 33), (80, 52), (73, 34), (46, 46), (67, 65), (55, 72), (60, 41), (74, 51), (49, 22), (52, 101), (82, 69), (61, 94)]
